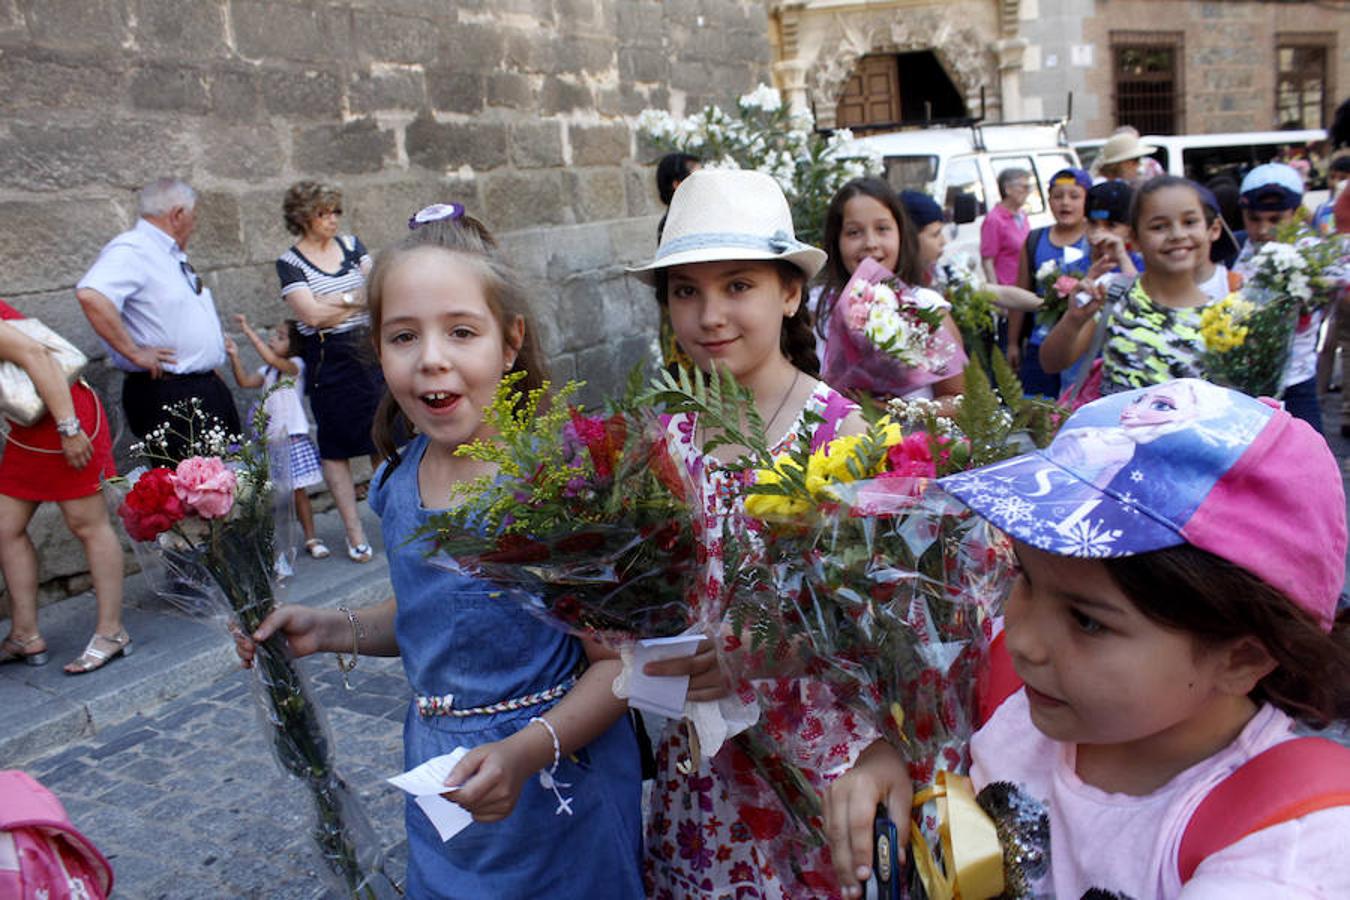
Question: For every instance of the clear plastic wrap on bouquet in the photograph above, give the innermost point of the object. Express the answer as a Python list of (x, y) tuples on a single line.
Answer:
[(1248, 337), (891, 352), (204, 533), (887, 599)]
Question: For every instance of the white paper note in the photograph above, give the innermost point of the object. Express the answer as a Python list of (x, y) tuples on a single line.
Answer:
[(663, 695), (426, 783)]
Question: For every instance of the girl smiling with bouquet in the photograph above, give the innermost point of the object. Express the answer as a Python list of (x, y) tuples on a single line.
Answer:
[(448, 323), (732, 276)]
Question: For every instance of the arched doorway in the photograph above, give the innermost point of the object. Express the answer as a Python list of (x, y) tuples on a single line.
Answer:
[(888, 89)]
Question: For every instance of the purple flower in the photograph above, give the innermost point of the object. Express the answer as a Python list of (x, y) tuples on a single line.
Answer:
[(693, 847)]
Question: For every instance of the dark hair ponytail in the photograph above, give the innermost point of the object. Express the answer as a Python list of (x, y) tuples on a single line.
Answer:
[(798, 339)]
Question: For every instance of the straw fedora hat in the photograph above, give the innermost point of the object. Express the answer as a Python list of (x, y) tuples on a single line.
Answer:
[(1121, 147), (723, 214)]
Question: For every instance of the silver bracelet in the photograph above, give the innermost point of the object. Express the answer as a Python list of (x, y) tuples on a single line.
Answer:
[(548, 778), (358, 632), (68, 427)]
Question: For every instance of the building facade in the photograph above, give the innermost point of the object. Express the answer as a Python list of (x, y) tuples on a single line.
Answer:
[(1164, 66)]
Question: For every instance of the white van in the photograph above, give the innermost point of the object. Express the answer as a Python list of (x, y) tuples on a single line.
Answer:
[(1201, 157), (959, 167)]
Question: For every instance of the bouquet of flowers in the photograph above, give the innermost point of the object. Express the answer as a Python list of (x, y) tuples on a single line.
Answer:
[(1248, 334), (957, 277), (210, 521), (586, 521), (880, 587), (1056, 287), (886, 337)]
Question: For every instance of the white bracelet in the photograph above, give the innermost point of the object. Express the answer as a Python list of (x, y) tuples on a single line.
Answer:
[(546, 778)]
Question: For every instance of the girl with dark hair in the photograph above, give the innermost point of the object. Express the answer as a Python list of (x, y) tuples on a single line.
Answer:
[(1153, 333), (733, 275), (448, 323), (866, 219), (1171, 637)]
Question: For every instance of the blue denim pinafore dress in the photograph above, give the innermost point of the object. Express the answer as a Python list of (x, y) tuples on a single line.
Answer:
[(455, 638)]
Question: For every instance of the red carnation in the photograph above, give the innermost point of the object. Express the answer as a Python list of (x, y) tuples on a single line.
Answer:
[(152, 506)]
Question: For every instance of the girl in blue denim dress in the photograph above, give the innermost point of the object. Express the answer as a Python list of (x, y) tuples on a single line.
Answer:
[(521, 696)]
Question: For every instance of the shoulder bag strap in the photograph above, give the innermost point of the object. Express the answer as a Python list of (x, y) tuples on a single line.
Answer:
[(1115, 295), (1286, 782)]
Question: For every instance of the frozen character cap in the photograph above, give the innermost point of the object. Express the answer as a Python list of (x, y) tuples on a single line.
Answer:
[(1072, 176), (922, 209), (1272, 187), (724, 214), (1182, 462), (1110, 201), (1121, 147)]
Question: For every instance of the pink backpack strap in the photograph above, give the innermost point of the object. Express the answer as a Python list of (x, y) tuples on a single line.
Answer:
[(1286, 782), (837, 408)]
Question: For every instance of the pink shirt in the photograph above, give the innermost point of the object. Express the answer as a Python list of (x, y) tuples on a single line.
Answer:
[(1128, 845), (1001, 238)]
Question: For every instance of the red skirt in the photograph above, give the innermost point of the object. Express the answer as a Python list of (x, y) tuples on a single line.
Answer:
[(33, 466)]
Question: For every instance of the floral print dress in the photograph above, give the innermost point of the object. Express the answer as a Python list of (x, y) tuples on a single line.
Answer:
[(721, 832)]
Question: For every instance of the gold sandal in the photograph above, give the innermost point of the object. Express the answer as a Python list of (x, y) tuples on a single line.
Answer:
[(13, 649), (93, 658)]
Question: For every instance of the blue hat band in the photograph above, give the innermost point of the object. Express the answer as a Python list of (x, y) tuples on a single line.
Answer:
[(778, 243)]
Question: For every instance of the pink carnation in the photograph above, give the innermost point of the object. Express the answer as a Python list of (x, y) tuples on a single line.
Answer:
[(205, 486), (1065, 285)]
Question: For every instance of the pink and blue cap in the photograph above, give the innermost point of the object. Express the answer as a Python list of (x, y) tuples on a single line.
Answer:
[(1186, 462)]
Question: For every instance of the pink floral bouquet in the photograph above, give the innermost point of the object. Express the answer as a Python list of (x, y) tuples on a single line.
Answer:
[(887, 338), (1057, 289), (210, 520)]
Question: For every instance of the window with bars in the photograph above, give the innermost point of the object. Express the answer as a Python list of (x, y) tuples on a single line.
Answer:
[(1300, 81), (1146, 75)]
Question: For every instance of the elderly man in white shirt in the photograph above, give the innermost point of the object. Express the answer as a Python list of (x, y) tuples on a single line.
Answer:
[(155, 316)]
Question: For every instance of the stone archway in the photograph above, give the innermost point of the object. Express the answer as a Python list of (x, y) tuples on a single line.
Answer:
[(965, 51)]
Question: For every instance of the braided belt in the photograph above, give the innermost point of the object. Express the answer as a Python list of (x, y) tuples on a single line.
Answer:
[(443, 705)]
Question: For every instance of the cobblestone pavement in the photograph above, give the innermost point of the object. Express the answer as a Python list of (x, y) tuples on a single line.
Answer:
[(187, 802)]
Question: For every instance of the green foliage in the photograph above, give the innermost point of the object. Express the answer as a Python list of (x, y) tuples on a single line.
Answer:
[(725, 410), (524, 445)]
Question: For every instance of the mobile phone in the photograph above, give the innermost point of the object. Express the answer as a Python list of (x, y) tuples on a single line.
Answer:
[(886, 875)]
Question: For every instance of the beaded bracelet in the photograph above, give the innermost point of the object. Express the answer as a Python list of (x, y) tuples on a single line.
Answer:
[(547, 778), (358, 632)]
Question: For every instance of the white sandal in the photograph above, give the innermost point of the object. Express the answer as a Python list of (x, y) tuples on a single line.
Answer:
[(361, 553), (316, 548), (93, 658)]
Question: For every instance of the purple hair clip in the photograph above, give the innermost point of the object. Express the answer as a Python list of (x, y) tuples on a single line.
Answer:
[(436, 212)]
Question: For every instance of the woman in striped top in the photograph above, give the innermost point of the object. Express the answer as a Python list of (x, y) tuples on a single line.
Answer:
[(323, 280)]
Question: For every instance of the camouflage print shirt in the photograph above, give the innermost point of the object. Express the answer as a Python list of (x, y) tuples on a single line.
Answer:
[(1147, 343)]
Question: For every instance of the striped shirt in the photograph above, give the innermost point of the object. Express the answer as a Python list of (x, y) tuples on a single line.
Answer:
[(1147, 344), (295, 272)]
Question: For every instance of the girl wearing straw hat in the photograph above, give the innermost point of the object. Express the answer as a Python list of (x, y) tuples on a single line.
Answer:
[(732, 275)]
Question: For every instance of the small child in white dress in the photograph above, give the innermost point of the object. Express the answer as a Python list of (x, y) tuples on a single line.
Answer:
[(286, 414)]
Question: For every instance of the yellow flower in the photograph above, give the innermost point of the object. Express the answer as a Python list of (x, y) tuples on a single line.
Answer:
[(764, 506), (891, 433), (1219, 323)]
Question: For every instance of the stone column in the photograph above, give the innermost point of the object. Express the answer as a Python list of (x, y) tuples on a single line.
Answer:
[(790, 78), (1009, 52)]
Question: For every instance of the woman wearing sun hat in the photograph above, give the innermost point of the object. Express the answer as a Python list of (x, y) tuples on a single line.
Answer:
[(1122, 157)]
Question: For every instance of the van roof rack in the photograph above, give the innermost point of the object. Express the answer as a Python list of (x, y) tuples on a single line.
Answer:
[(976, 124)]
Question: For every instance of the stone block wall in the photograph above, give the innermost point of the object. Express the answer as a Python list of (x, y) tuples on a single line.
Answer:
[(523, 110)]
